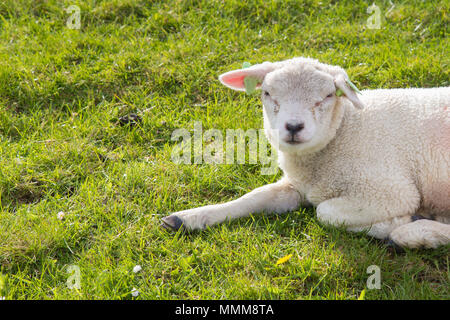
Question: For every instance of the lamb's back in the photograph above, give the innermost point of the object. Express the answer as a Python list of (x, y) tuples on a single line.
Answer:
[(416, 125)]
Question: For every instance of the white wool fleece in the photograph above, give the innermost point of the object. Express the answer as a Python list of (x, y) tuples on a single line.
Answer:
[(367, 161)]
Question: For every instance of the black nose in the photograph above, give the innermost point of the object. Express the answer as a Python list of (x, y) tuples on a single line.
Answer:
[(294, 128)]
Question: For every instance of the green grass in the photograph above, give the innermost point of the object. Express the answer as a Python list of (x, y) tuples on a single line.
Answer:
[(62, 91)]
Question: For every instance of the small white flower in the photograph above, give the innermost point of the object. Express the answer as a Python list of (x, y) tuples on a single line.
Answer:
[(137, 268), (134, 292), (60, 215), (307, 236), (2, 298)]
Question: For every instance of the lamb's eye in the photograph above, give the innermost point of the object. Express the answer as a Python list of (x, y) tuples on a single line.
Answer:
[(266, 93), (330, 95)]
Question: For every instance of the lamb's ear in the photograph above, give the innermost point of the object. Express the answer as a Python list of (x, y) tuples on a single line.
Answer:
[(235, 79), (349, 90)]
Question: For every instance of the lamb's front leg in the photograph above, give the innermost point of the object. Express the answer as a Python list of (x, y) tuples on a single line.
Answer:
[(278, 197)]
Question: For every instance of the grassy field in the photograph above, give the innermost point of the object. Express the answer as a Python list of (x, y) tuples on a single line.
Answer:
[(62, 148)]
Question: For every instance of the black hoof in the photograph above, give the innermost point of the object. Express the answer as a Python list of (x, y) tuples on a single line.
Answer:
[(172, 222), (392, 246)]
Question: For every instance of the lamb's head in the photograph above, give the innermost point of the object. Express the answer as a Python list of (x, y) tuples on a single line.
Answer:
[(300, 100)]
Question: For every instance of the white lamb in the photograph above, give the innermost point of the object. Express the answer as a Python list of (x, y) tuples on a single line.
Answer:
[(379, 161)]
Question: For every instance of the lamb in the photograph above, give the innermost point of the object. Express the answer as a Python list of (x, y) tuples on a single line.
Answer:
[(378, 161)]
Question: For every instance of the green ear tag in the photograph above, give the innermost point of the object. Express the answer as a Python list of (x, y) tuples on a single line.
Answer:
[(353, 86), (250, 82), (339, 92)]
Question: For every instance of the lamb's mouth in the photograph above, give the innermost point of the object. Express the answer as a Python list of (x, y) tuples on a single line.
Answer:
[(293, 141)]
